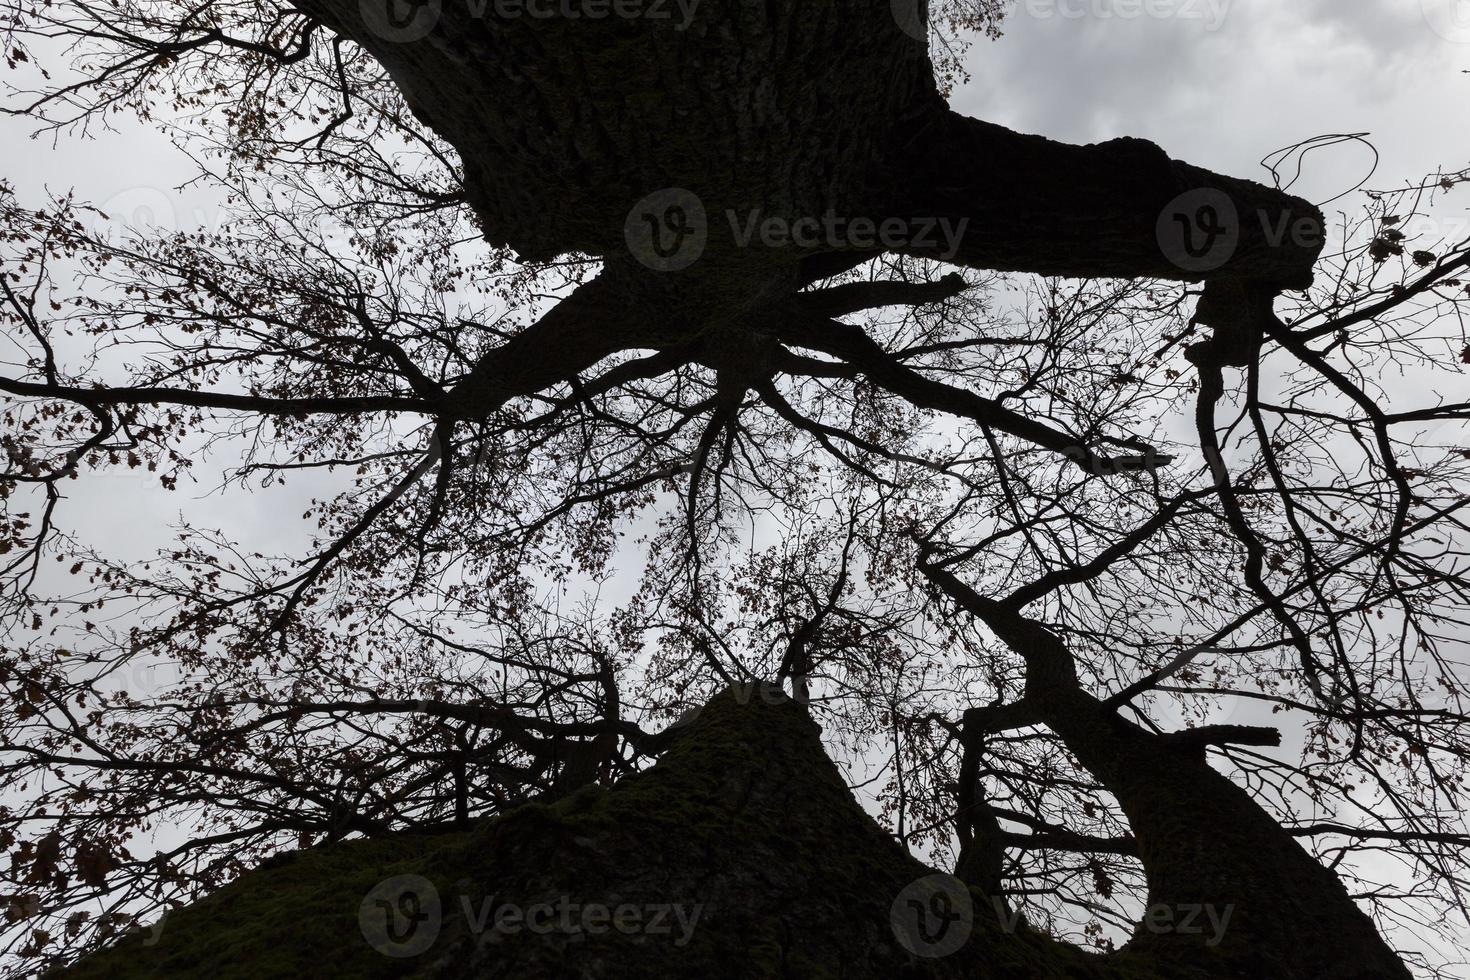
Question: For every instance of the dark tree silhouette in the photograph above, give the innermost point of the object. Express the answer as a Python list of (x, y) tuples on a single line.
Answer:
[(1018, 464)]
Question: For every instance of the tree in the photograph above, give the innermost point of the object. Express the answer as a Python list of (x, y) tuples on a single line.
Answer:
[(569, 295)]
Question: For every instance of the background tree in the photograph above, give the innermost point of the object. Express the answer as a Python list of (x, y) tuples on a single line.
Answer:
[(1033, 547)]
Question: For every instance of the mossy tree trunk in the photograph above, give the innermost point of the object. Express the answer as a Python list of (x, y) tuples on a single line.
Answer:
[(746, 833)]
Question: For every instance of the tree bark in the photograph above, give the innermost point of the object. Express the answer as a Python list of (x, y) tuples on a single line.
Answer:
[(1112, 209), (748, 829), (1203, 842), (795, 109), (562, 124)]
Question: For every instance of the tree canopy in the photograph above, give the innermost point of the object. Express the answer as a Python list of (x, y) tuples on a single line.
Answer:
[(989, 504)]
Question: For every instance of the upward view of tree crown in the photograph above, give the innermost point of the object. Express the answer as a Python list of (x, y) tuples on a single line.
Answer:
[(1086, 437)]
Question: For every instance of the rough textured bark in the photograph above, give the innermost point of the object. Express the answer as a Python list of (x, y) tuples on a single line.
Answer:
[(747, 819), (1036, 205), (802, 111), (562, 124), (789, 109)]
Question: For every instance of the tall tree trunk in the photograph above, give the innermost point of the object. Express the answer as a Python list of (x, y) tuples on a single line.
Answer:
[(563, 124), (1208, 850)]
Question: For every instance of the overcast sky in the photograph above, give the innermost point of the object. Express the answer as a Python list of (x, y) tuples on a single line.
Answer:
[(1219, 83)]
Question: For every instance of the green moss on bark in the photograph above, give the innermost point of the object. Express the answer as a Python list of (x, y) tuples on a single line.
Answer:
[(744, 822)]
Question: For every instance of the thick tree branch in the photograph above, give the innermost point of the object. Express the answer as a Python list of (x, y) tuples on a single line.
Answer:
[(147, 395), (807, 329), (597, 320), (1035, 205)]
